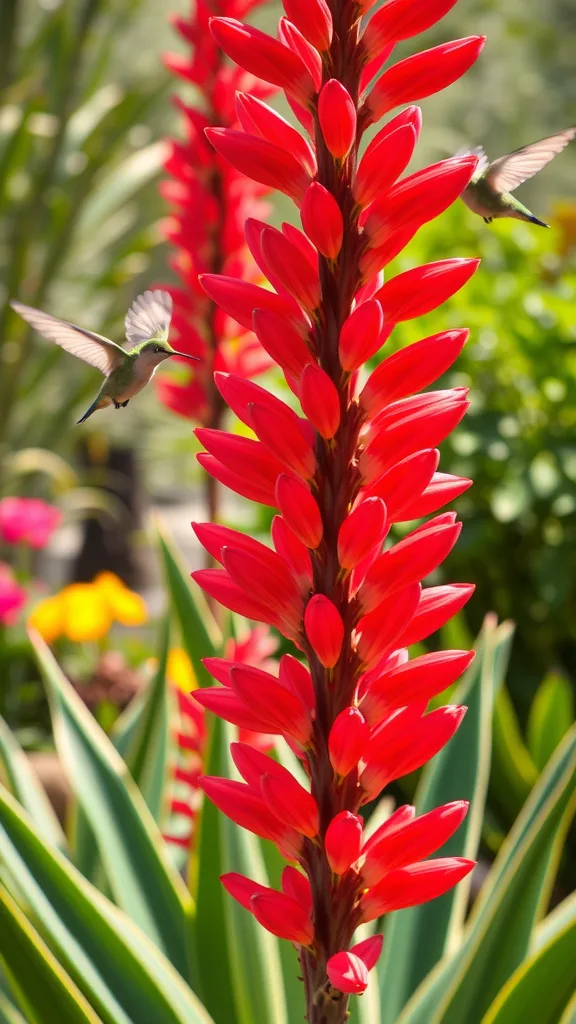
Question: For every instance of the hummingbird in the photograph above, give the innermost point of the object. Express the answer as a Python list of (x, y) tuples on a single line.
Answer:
[(126, 371), (489, 194)]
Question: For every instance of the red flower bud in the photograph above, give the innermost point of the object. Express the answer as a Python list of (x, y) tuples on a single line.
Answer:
[(401, 19), (324, 629), (347, 973), (261, 160), (343, 840), (413, 841), (418, 883), (300, 509), (369, 950), (337, 116), (322, 220), (314, 20), (299, 277), (320, 400), (347, 741), (363, 529), (290, 802), (361, 335), (283, 916), (383, 164)]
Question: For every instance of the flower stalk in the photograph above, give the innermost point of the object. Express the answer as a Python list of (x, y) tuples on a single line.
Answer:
[(366, 458)]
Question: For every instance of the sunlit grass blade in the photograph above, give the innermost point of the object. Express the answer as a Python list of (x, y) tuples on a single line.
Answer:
[(41, 986), (120, 972), (23, 783), (551, 715), (141, 877)]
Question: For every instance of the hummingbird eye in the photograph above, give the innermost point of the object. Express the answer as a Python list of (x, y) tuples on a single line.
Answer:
[(157, 348)]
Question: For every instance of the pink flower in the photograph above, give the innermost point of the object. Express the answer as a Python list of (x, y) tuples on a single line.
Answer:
[(12, 596), (28, 521)]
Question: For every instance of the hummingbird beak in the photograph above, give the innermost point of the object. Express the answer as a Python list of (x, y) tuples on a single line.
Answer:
[(185, 355)]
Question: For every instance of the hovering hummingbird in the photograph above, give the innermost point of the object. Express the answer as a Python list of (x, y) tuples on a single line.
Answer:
[(490, 192), (126, 371)]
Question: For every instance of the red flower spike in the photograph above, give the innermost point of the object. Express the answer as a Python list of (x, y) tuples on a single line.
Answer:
[(347, 973), (299, 277), (381, 630), (261, 160), (420, 679), (295, 41), (263, 56), (285, 440), (410, 561), (411, 369), (299, 509), (437, 605), (281, 340), (383, 164), (324, 629), (270, 125), (314, 20), (296, 677), (348, 740), (343, 841), (320, 400), (418, 883), (322, 220), (337, 116), (413, 841), (401, 19), (272, 702), (369, 950), (360, 337), (291, 803), (360, 457), (297, 885), (363, 530), (242, 888), (293, 551), (283, 916), (423, 74)]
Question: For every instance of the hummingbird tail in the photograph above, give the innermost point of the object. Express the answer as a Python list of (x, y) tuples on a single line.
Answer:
[(93, 408)]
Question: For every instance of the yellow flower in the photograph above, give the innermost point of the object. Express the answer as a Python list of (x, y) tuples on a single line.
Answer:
[(48, 618), (179, 670), (87, 611), (126, 607), (87, 614)]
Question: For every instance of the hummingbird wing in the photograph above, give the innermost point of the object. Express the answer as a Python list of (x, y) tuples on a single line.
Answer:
[(483, 161), (105, 355), (148, 318), (505, 174)]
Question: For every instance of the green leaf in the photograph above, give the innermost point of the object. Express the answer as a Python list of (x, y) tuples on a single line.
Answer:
[(201, 636), (513, 770), (569, 1015), (148, 753), (142, 879), (24, 784), (541, 987), (43, 989), (554, 922), (8, 1012), (551, 715), (498, 934), (125, 977), (417, 938)]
